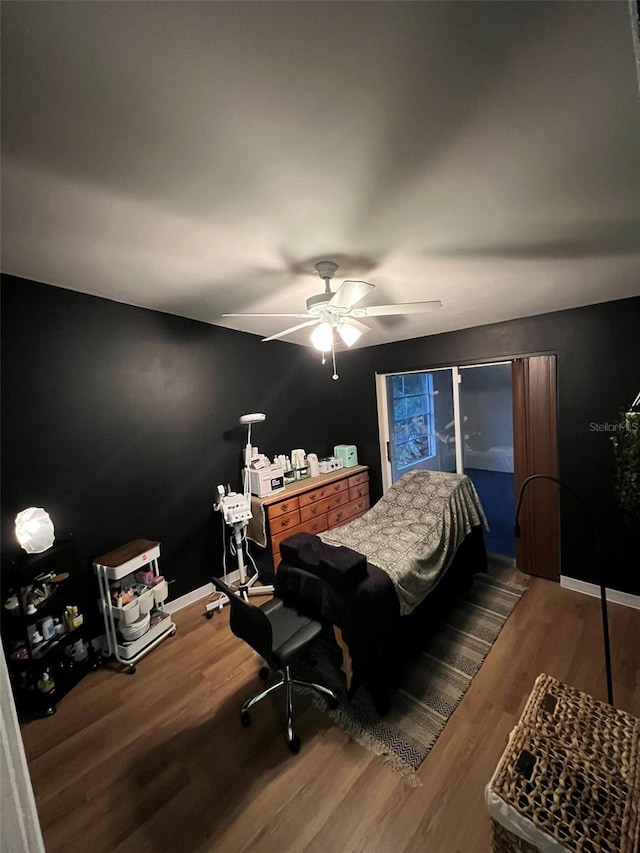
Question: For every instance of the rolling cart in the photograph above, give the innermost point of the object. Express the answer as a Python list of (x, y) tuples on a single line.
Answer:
[(137, 626)]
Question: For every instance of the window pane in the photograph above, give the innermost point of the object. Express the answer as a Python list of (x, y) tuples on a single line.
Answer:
[(399, 409), (420, 405), (415, 406)]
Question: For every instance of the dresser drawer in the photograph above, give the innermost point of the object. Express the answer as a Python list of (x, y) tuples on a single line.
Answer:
[(340, 499), (282, 508), (284, 522), (314, 525), (323, 492), (314, 510), (360, 491), (361, 505), (359, 479), (340, 516)]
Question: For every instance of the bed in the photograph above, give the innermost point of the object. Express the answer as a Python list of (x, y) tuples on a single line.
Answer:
[(423, 541)]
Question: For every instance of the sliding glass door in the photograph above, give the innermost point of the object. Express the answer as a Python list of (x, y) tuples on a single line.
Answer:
[(454, 420)]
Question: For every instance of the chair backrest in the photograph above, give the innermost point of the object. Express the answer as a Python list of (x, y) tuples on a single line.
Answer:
[(248, 622)]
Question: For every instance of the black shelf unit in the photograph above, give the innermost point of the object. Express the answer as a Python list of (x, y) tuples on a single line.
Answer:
[(27, 662)]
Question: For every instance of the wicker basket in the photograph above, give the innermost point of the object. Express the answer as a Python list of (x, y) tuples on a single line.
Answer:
[(582, 724), (506, 842), (567, 796)]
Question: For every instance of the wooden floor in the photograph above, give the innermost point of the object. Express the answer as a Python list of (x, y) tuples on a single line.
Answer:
[(158, 761)]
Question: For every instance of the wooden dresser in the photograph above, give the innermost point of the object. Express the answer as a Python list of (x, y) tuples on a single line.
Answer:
[(314, 505)]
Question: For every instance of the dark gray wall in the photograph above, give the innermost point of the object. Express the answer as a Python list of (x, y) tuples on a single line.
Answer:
[(121, 421), (598, 352)]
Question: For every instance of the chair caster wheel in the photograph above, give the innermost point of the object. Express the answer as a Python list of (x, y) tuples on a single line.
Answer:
[(332, 703), (209, 614), (294, 744), (245, 719), (50, 711), (131, 670), (264, 672), (173, 632)]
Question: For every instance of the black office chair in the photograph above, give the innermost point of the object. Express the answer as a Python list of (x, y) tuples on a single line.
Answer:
[(281, 636)]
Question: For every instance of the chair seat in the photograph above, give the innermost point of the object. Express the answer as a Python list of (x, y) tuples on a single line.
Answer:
[(272, 605), (291, 633), (280, 635)]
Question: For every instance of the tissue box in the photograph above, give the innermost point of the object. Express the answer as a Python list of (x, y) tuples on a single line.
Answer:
[(347, 454)]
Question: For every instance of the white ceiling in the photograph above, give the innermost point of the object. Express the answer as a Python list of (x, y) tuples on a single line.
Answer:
[(196, 158)]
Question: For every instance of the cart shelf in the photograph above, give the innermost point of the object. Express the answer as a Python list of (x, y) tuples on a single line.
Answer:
[(119, 567)]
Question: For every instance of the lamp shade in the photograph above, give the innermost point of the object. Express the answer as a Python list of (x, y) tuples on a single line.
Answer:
[(349, 333), (34, 530), (253, 418), (322, 337)]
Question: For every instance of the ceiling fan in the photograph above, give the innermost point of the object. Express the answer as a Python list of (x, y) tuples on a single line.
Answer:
[(337, 310)]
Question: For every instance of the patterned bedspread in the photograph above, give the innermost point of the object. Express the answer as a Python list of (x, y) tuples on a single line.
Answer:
[(414, 530)]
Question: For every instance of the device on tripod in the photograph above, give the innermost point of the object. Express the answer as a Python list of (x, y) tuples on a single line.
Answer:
[(236, 513)]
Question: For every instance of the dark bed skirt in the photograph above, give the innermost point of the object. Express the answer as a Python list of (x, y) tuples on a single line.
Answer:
[(380, 639)]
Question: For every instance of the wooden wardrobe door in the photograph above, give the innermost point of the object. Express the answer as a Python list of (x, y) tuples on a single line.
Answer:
[(535, 452)]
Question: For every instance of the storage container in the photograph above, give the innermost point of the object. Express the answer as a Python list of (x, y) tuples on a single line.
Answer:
[(569, 778), (160, 591), (136, 629), (128, 613), (146, 599)]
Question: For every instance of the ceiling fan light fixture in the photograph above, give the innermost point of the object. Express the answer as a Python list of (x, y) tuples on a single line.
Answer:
[(348, 333), (322, 337)]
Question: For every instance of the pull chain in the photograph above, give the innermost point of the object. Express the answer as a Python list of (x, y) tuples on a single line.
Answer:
[(333, 355)]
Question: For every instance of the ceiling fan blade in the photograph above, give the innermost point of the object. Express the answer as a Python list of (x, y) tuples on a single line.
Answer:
[(349, 293), (351, 321), (402, 308), (292, 329), (265, 315)]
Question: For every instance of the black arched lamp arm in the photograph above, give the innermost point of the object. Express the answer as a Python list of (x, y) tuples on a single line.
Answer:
[(601, 567)]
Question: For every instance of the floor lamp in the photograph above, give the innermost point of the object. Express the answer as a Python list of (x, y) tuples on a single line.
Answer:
[(601, 567)]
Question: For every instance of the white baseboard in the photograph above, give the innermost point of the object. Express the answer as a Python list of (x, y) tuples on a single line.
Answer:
[(613, 595), (197, 594)]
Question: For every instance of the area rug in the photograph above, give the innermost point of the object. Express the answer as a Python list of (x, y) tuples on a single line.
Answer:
[(435, 680)]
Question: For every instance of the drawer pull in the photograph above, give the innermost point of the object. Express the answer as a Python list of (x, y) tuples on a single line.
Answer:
[(284, 507), (313, 496), (336, 488), (339, 515), (284, 522), (316, 526), (314, 510)]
